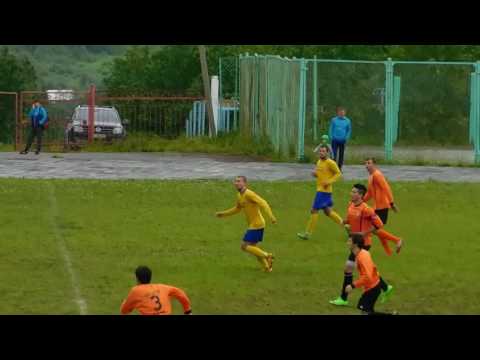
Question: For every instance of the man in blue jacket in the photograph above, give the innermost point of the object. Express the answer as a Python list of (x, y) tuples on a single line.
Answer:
[(39, 117), (340, 132)]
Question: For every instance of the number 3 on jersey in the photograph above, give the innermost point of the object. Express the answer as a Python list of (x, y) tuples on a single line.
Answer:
[(156, 300)]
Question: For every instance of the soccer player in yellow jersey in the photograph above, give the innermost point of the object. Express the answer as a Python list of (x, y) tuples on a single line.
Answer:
[(251, 204), (326, 172)]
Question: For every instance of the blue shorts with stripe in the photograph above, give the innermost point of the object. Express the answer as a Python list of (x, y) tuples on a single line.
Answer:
[(253, 236), (322, 201)]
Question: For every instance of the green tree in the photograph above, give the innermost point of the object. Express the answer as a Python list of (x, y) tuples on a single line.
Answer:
[(171, 70), (16, 74)]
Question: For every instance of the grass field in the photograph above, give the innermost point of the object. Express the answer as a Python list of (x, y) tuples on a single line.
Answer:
[(107, 228)]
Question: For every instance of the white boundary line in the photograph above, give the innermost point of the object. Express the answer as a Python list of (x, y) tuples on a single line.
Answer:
[(62, 247)]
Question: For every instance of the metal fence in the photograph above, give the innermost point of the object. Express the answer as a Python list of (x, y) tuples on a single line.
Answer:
[(227, 119), (79, 118), (291, 101), (8, 116)]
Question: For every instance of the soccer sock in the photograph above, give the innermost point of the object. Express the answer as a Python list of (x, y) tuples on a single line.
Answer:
[(335, 217), (382, 234), (385, 246), (312, 223), (256, 251), (383, 285), (263, 261), (347, 280)]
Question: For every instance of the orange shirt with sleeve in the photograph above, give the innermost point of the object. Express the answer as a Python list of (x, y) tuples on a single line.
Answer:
[(362, 218), (369, 276), (379, 190), (154, 299)]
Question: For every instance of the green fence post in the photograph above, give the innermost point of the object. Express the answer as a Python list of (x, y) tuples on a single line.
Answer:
[(257, 105), (397, 96), (220, 79), (301, 111), (267, 94), (389, 108), (471, 121), (315, 100), (255, 97), (237, 93), (476, 102)]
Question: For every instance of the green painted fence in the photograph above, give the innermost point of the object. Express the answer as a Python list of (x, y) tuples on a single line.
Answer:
[(291, 101)]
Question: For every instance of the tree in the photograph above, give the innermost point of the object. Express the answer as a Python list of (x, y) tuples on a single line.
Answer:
[(16, 74), (171, 70)]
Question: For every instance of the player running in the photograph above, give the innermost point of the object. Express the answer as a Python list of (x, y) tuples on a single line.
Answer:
[(326, 172), (153, 299), (251, 204), (361, 219), (379, 190), (369, 277)]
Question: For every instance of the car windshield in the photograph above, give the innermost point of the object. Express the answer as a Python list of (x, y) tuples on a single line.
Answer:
[(101, 115)]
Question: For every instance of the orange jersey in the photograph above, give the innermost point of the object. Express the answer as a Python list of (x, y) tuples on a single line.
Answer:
[(153, 299), (379, 191), (369, 276), (362, 218)]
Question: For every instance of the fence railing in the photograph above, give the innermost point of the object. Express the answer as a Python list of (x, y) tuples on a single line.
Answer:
[(227, 119), (390, 102), (80, 118)]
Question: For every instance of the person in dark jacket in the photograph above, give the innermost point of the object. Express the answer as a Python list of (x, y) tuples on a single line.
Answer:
[(340, 133), (38, 116)]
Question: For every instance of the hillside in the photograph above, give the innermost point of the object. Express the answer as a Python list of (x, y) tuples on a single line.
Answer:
[(70, 66)]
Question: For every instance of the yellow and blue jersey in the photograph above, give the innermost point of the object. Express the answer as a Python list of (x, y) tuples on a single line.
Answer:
[(251, 204), (327, 171)]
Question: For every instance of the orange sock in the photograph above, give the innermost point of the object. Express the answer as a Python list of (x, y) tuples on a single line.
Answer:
[(385, 235), (385, 246)]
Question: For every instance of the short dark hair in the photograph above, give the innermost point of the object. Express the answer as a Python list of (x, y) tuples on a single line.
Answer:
[(324, 147), (361, 189), (358, 240), (244, 178), (143, 274), (341, 108), (372, 159)]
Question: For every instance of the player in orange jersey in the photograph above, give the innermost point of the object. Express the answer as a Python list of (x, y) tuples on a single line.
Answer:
[(380, 192), (153, 299), (362, 220), (369, 277)]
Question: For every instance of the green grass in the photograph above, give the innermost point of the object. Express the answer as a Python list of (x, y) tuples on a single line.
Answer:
[(230, 144), (110, 227), (6, 147)]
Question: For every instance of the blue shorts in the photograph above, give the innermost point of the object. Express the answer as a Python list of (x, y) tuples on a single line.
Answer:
[(322, 201), (253, 236)]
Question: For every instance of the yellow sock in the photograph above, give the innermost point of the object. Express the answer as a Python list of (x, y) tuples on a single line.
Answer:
[(312, 223), (263, 261), (256, 251), (335, 217)]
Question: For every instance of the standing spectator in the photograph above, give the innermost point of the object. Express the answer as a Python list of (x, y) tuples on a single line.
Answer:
[(39, 117), (340, 132)]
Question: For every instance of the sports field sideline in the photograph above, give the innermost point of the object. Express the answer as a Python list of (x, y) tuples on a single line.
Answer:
[(196, 166)]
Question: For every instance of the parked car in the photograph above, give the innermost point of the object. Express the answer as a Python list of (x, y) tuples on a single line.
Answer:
[(107, 124)]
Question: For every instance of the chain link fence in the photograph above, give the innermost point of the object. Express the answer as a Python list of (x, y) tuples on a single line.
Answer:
[(392, 105)]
